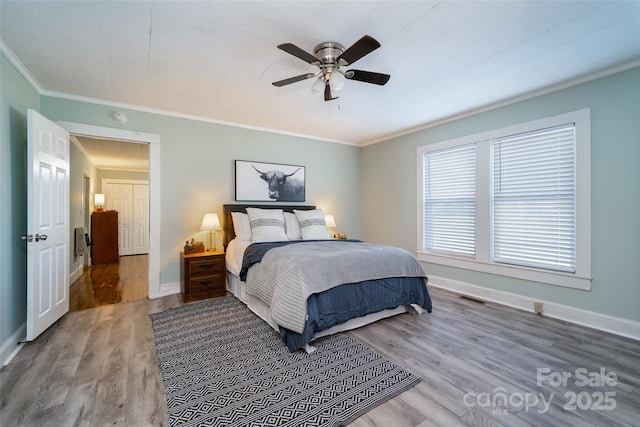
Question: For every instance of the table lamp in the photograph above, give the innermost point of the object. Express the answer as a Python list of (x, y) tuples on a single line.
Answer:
[(331, 223), (211, 223), (98, 201)]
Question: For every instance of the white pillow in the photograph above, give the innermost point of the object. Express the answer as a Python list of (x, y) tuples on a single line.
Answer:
[(267, 225), (291, 226), (241, 226), (312, 224)]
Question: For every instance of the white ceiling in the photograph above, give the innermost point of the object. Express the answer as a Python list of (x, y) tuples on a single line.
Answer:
[(216, 59), (114, 154)]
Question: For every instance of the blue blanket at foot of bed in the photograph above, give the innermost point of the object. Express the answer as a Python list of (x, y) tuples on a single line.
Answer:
[(339, 304)]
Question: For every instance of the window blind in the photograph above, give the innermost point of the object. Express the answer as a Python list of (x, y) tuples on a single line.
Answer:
[(449, 201), (533, 188)]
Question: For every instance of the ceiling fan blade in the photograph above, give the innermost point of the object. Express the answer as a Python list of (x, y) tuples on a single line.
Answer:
[(368, 77), (299, 53), (290, 80), (362, 47)]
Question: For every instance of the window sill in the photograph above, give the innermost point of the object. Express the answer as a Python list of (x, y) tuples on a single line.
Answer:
[(542, 276)]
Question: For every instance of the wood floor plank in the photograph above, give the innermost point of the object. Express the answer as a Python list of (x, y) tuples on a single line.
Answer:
[(144, 405), (111, 396), (94, 354), (78, 406)]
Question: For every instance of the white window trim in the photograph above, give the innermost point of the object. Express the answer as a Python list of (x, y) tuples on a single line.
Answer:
[(581, 279)]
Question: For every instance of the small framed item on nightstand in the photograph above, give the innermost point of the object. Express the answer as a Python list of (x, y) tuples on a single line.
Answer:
[(202, 275)]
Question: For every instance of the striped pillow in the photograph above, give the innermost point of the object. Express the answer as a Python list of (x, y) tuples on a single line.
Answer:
[(312, 224), (267, 225)]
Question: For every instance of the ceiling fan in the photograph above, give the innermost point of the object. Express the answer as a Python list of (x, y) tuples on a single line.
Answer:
[(329, 57)]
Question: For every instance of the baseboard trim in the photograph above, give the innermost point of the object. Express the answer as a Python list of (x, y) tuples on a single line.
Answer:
[(166, 289), (73, 276), (615, 325), (12, 346)]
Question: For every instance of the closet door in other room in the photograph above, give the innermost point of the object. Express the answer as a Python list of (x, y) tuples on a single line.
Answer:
[(132, 203), (140, 218)]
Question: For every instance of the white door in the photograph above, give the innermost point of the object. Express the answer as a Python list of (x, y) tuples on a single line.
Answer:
[(112, 197), (141, 218), (118, 198), (47, 223), (125, 220)]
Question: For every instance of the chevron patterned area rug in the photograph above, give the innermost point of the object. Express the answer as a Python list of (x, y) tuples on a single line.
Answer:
[(222, 365)]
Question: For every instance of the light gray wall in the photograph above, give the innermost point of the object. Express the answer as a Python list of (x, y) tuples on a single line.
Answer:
[(197, 169), (16, 97), (389, 189)]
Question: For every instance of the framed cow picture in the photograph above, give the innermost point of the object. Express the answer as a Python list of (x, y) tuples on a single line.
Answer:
[(269, 182)]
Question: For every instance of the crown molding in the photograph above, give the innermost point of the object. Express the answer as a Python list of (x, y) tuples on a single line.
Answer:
[(13, 59), (139, 108), (509, 101)]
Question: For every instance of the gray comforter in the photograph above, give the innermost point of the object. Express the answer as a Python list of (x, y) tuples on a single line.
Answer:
[(287, 275)]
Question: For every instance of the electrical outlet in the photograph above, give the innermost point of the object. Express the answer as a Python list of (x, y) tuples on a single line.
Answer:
[(537, 307)]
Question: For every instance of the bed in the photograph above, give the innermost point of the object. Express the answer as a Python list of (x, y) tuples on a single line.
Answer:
[(314, 286)]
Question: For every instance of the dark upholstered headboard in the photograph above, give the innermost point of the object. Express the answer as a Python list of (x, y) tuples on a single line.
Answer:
[(227, 225)]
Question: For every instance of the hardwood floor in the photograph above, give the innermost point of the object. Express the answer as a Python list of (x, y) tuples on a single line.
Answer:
[(97, 367), (104, 284)]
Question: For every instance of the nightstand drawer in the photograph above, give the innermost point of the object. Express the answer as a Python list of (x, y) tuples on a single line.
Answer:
[(206, 266), (214, 284)]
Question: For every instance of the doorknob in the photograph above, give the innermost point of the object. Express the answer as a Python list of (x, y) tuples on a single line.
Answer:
[(27, 238), (41, 237)]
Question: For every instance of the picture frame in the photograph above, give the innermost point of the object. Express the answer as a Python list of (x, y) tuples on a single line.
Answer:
[(269, 182)]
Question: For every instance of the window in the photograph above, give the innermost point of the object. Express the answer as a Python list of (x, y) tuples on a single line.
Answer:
[(513, 201), (533, 209), (450, 200)]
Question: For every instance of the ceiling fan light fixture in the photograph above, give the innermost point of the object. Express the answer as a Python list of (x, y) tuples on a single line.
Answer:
[(336, 81), (318, 85)]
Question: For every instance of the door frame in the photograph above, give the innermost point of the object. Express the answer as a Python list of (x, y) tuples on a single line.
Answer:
[(154, 288)]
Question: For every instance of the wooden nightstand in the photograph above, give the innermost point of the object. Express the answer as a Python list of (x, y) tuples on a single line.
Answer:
[(202, 275)]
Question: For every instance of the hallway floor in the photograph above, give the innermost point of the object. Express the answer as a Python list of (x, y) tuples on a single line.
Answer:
[(105, 284)]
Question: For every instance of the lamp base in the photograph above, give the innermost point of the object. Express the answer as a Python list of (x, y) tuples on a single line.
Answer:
[(212, 247)]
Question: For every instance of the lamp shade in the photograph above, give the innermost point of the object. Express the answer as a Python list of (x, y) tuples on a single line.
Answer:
[(98, 199), (331, 223), (210, 222)]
